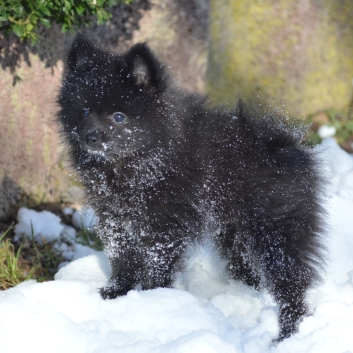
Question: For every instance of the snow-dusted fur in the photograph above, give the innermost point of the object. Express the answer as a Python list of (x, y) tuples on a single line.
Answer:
[(163, 169)]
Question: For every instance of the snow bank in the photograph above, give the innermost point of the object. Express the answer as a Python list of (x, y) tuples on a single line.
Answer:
[(41, 225), (205, 312), (46, 226), (339, 167)]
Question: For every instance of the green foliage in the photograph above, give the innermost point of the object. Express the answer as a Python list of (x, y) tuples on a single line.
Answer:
[(88, 238), (30, 261), (45, 258), (312, 139), (343, 122), (12, 269), (23, 17), (36, 260)]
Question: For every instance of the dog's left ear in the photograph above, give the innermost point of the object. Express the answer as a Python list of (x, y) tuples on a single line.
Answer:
[(147, 72)]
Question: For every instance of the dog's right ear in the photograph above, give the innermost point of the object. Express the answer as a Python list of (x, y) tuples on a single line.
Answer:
[(81, 50)]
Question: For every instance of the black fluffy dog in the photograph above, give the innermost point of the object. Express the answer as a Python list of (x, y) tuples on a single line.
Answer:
[(162, 168)]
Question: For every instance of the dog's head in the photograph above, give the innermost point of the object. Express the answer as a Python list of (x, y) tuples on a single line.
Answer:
[(113, 105)]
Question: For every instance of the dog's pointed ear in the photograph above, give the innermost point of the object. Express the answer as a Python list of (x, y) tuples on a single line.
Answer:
[(81, 50), (145, 69)]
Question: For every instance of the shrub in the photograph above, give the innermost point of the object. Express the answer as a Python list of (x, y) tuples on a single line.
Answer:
[(24, 17)]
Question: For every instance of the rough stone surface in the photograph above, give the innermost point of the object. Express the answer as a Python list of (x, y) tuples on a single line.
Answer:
[(28, 138), (299, 52)]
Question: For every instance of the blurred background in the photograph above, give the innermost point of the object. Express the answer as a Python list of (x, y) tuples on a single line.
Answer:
[(298, 53)]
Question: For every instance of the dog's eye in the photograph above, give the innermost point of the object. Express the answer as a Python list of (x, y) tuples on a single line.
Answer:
[(119, 117), (85, 113)]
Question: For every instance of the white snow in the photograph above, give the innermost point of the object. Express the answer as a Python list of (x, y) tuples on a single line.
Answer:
[(205, 312), (42, 225), (325, 131), (46, 226)]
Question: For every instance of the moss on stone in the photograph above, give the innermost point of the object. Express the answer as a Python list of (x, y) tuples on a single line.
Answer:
[(297, 52)]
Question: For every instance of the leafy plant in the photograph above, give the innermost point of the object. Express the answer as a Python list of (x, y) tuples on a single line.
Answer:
[(23, 17)]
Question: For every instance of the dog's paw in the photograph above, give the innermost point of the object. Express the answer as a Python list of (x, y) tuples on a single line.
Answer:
[(111, 291)]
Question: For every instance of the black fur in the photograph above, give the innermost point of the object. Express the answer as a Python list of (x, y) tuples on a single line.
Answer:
[(176, 170)]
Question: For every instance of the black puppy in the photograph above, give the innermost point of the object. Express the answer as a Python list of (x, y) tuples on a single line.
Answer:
[(162, 168)]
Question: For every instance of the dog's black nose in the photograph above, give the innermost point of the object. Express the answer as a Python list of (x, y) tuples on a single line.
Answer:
[(92, 139)]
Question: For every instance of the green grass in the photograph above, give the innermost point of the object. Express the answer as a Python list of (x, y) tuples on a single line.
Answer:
[(45, 259), (13, 270), (88, 238), (29, 261), (341, 120), (33, 260)]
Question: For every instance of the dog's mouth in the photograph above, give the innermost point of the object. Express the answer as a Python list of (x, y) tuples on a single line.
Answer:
[(108, 151), (96, 152)]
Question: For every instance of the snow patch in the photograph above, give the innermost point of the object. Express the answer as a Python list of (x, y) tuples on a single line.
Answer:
[(42, 225)]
